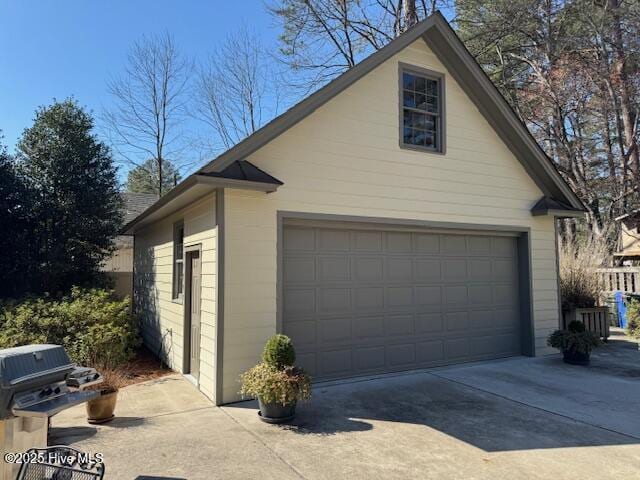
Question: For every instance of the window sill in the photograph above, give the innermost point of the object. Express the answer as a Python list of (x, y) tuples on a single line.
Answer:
[(417, 148), (178, 300)]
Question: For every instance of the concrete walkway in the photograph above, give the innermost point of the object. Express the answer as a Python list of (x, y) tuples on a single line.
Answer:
[(521, 418)]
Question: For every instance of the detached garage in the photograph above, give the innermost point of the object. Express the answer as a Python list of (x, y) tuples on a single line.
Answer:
[(401, 217)]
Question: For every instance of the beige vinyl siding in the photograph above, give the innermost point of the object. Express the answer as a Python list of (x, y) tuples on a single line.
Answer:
[(345, 159), (162, 318)]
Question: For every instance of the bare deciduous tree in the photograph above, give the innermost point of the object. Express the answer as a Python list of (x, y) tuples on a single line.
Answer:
[(150, 101), (324, 38), (236, 90)]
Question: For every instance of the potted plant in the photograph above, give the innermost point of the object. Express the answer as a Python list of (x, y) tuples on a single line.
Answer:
[(101, 409), (276, 382), (575, 343)]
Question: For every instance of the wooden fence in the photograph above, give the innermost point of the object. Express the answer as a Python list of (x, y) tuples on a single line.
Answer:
[(624, 279)]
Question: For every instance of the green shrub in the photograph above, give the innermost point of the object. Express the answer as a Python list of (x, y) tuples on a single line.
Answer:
[(272, 385), (93, 327), (575, 326), (633, 319), (279, 352), (573, 341)]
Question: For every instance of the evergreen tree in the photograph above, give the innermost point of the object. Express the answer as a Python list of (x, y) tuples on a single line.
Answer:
[(76, 210), (145, 178)]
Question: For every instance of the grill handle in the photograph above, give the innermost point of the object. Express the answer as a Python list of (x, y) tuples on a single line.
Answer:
[(33, 376)]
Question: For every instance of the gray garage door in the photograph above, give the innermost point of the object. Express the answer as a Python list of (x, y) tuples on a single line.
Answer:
[(364, 301)]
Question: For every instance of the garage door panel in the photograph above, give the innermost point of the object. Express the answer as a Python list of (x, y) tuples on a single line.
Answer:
[(399, 269), (427, 269), (366, 241), (426, 295), (399, 297), (335, 330), (429, 323), (430, 352), (455, 295), (299, 300), (457, 321), (427, 243), (480, 295), (399, 242), (358, 302), (504, 269), (479, 245), (299, 269), (456, 349), (334, 299), (303, 331), (454, 245), (504, 247), (335, 362), (454, 269), (369, 298), (399, 325), (333, 240), (299, 239), (401, 355), (333, 269), (368, 327), (480, 268), (308, 362), (369, 358), (368, 269)]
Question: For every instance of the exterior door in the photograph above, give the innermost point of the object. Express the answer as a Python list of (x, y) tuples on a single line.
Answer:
[(193, 309), (359, 301)]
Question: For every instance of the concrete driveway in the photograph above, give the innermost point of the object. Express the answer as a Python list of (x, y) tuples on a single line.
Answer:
[(520, 418)]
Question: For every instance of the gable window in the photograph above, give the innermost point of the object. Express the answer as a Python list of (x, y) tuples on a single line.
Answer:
[(178, 260), (422, 109)]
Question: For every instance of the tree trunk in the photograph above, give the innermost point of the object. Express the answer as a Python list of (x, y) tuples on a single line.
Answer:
[(620, 68), (410, 13)]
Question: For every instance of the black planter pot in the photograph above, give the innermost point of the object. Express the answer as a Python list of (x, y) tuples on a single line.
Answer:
[(276, 412), (575, 358)]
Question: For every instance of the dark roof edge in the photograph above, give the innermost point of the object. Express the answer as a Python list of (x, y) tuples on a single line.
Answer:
[(198, 179), (524, 146), (551, 206)]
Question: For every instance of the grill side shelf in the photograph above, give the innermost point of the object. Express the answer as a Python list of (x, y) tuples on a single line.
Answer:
[(50, 407)]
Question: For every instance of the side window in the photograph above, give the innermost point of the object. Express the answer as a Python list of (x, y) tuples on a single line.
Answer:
[(422, 109), (178, 260)]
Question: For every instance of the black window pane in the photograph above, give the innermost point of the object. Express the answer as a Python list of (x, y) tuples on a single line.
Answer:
[(432, 87), (420, 84), (179, 277), (408, 99), (406, 136), (429, 139), (431, 104), (421, 101), (419, 120), (408, 81), (430, 122)]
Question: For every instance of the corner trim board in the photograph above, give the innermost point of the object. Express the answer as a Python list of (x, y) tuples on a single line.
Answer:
[(219, 326)]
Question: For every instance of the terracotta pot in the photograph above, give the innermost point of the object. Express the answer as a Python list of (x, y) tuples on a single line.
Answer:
[(100, 409)]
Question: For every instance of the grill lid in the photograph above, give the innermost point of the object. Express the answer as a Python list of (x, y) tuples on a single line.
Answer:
[(23, 364)]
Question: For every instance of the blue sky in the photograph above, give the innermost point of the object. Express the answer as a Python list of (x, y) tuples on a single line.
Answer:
[(57, 48), (60, 48)]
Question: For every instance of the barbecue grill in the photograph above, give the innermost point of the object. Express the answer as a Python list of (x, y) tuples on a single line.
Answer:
[(36, 382)]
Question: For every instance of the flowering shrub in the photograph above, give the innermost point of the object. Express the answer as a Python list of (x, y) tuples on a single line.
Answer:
[(272, 385)]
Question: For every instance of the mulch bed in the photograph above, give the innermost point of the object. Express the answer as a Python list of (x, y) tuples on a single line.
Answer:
[(145, 366)]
